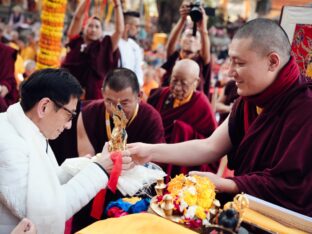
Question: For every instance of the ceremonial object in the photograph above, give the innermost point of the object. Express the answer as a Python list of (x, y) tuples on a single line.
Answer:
[(190, 200), (119, 136)]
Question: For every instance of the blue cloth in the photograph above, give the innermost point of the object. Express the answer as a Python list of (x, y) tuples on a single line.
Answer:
[(138, 207)]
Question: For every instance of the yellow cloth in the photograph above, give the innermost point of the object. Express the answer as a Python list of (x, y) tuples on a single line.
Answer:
[(28, 53), (135, 224), (147, 87), (177, 102), (268, 224)]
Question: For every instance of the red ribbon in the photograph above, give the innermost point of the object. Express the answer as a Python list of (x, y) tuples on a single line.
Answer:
[(113, 179), (98, 204), (99, 200)]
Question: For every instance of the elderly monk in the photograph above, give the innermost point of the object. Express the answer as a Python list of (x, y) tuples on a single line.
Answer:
[(95, 124), (8, 90), (267, 136), (186, 113), (90, 56), (193, 47)]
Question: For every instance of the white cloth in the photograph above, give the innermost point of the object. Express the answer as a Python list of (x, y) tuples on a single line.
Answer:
[(131, 57), (32, 184), (129, 183)]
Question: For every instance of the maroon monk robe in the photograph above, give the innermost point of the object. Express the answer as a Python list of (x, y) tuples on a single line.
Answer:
[(205, 72), (272, 159), (91, 64), (192, 120), (7, 61), (146, 127)]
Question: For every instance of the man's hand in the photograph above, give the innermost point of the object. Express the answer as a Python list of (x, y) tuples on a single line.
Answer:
[(140, 152), (24, 226), (222, 184), (105, 161)]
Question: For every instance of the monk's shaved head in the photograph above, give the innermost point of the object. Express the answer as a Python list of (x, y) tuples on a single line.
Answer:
[(188, 66), (267, 36)]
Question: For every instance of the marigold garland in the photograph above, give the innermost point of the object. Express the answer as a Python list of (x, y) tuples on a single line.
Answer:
[(51, 32)]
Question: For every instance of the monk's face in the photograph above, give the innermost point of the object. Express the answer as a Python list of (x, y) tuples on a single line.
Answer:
[(126, 97), (182, 82), (93, 30), (249, 68), (190, 44)]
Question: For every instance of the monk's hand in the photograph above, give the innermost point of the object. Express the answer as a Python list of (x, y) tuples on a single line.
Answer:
[(127, 162), (3, 90), (222, 184), (184, 10), (202, 24), (140, 152)]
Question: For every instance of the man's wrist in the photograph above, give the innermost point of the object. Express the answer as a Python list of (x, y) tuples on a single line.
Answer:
[(106, 173)]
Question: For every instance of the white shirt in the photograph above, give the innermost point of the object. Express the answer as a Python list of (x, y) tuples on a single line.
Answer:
[(131, 57)]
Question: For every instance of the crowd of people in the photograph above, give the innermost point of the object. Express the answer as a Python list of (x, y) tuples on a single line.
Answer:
[(177, 118)]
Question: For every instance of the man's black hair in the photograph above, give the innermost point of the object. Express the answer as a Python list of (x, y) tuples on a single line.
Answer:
[(57, 84)]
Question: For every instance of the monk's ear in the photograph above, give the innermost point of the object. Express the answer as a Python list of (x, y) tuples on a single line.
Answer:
[(274, 61), (140, 94)]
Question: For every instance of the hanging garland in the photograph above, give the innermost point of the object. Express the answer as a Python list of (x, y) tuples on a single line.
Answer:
[(51, 32)]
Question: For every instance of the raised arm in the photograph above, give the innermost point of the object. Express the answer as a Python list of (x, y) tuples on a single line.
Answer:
[(199, 151), (83, 143), (177, 29), (76, 23), (205, 41), (119, 23)]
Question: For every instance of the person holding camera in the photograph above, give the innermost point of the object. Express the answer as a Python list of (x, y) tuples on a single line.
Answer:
[(195, 46)]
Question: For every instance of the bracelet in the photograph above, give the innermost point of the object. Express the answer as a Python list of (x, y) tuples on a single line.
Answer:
[(116, 5), (102, 169)]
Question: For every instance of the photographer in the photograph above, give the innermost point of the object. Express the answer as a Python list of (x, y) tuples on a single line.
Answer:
[(195, 47)]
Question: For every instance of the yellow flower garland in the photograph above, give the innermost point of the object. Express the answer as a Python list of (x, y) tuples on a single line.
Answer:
[(51, 32)]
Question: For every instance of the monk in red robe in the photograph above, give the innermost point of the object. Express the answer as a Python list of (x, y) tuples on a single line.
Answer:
[(90, 56), (8, 90), (95, 125), (267, 136), (186, 113), (193, 47)]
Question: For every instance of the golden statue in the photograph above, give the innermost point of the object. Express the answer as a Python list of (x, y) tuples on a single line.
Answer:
[(119, 136)]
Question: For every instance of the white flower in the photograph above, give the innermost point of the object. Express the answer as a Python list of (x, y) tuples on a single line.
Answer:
[(183, 205), (192, 179), (190, 213), (192, 190)]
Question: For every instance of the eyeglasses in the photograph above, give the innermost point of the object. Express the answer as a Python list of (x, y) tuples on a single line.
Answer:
[(73, 114)]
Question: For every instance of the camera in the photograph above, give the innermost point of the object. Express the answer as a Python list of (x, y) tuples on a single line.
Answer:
[(195, 12)]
